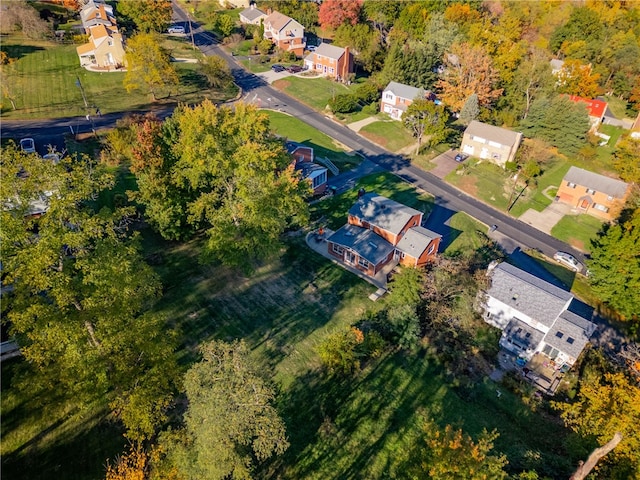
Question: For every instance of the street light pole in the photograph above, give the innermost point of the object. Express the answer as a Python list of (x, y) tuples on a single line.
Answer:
[(193, 45)]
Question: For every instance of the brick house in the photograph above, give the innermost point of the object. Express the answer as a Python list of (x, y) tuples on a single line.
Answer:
[(485, 141), (591, 193), (285, 33), (104, 50), (330, 61), (380, 230), (396, 97), (315, 174)]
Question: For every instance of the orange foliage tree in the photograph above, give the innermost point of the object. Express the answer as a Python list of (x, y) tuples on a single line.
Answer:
[(334, 13), (577, 79), (468, 70)]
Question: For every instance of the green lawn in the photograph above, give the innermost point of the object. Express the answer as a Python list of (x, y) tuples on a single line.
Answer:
[(44, 76), (424, 159), (359, 427), (389, 134), (323, 146), (254, 66), (315, 92), (332, 212), (468, 235), (577, 230)]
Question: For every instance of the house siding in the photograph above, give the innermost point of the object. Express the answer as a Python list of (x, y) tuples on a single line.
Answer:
[(330, 67), (488, 150), (581, 198), (424, 258), (371, 270)]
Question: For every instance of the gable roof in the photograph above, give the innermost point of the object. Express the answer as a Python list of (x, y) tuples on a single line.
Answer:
[(363, 241), (597, 182), (293, 147), (570, 333), (416, 240), (252, 13), (86, 48), (522, 334), (596, 107), (525, 293), (495, 134), (329, 51), (402, 90), (277, 21), (382, 212)]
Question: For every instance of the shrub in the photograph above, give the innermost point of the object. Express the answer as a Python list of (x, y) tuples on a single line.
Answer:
[(371, 109), (367, 93), (345, 103)]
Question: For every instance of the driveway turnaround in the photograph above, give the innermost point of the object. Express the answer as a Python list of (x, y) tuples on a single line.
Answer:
[(547, 218)]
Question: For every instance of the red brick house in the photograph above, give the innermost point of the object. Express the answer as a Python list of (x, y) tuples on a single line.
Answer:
[(285, 33), (380, 230), (330, 61)]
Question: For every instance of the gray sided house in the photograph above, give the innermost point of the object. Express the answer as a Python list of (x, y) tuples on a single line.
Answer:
[(487, 142), (534, 317), (252, 15)]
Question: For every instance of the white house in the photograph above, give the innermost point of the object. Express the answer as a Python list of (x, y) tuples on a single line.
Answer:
[(534, 316), (485, 141), (252, 15)]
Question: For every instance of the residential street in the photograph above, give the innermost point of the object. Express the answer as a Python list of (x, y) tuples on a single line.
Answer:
[(448, 199)]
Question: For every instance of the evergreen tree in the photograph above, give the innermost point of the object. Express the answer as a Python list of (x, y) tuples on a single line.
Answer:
[(470, 110)]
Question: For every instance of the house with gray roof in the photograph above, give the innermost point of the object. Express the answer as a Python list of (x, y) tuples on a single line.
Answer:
[(330, 61), (488, 142), (397, 97), (252, 15), (589, 192), (285, 33), (534, 316), (380, 230)]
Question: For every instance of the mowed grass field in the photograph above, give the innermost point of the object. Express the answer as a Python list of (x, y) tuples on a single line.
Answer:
[(389, 134), (315, 92), (323, 146), (364, 426), (42, 80)]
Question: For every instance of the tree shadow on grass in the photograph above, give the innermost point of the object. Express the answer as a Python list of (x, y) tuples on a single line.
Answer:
[(16, 52), (193, 80)]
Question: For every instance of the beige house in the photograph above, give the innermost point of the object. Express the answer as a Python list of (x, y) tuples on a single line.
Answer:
[(252, 15), (285, 33), (487, 142), (105, 49)]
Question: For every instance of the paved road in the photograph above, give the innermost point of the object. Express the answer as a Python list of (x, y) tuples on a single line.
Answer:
[(448, 199)]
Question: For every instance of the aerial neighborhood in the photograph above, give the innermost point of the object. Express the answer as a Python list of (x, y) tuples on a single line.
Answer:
[(304, 239)]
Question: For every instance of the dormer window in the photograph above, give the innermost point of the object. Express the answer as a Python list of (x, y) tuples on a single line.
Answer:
[(559, 334), (570, 340)]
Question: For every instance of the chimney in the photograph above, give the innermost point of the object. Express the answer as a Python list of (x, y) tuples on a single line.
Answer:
[(345, 65)]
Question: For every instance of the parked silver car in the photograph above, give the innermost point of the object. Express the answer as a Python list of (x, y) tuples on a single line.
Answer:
[(28, 145), (568, 261)]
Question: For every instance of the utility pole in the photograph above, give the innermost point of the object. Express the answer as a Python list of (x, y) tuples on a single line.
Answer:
[(86, 105), (193, 44)]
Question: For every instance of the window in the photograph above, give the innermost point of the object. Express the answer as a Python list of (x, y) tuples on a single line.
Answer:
[(571, 185), (331, 70), (494, 144), (318, 66), (338, 249), (570, 340), (609, 198), (320, 179), (432, 248), (388, 96), (590, 191), (600, 207), (559, 334), (363, 263)]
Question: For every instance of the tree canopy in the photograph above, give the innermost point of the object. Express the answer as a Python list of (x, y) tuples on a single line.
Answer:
[(222, 170), (230, 423), (82, 293), (148, 15), (424, 117), (614, 265)]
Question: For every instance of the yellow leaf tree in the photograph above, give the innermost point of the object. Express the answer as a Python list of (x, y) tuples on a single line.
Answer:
[(148, 65)]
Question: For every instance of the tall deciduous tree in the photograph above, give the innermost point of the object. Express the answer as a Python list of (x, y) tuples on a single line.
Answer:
[(230, 423), (423, 117), (222, 170), (604, 406), (625, 159), (468, 70), (148, 65), (575, 78), (615, 266), (216, 70), (559, 121), (148, 15), (82, 292), (334, 13)]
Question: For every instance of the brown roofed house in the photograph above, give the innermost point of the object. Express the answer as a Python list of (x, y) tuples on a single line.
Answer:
[(285, 33)]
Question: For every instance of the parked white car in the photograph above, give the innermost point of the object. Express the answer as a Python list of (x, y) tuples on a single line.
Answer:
[(176, 29), (568, 261), (28, 145)]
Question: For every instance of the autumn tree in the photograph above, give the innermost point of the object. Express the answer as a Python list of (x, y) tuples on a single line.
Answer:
[(575, 78), (468, 70), (338, 351), (148, 15), (424, 117), (606, 405), (148, 65), (558, 121), (82, 292), (614, 265), (625, 159), (231, 424), (131, 465), (21, 16), (334, 13), (220, 169)]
